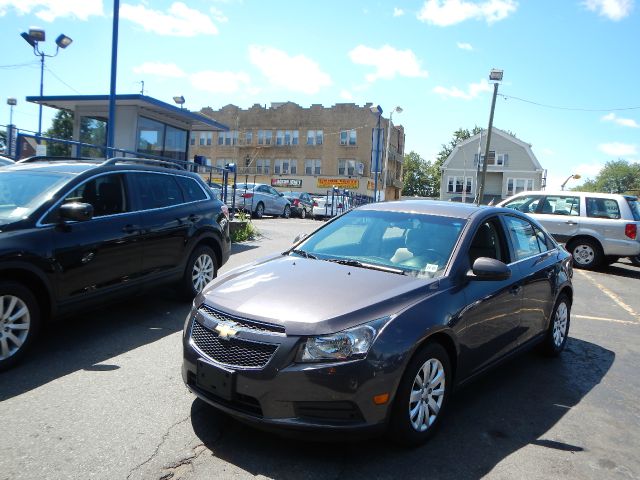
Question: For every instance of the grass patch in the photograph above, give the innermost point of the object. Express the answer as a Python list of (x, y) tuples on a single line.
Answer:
[(243, 230)]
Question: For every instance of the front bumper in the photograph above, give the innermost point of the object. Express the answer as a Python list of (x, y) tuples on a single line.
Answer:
[(287, 395)]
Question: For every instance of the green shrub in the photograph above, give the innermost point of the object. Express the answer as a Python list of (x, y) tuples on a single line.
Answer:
[(245, 231)]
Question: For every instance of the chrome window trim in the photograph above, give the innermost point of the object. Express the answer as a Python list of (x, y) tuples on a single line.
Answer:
[(40, 224)]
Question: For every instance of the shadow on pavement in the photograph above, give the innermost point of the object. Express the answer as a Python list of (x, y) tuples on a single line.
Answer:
[(86, 340), (242, 247), (509, 408), (622, 270)]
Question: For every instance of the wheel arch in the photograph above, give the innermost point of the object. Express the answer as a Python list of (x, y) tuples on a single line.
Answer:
[(584, 236), (35, 283), (447, 341), (214, 244)]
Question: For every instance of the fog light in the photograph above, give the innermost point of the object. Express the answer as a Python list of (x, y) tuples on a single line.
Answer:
[(381, 399)]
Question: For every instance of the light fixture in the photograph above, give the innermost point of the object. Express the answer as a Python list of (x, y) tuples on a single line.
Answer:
[(496, 75), (28, 39), (37, 34), (63, 41), (12, 101), (179, 100)]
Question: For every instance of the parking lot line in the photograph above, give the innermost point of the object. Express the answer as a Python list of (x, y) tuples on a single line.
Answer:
[(603, 319), (610, 294)]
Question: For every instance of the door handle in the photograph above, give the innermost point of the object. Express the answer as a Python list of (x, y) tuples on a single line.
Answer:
[(571, 222), (130, 228)]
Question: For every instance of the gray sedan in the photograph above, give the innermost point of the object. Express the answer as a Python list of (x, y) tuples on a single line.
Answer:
[(261, 199)]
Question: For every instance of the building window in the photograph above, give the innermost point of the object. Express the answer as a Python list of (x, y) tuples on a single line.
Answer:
[(221, 162), (457, 185), (158, 138), (295, 137), (502, 159), (263, 166), (248, 137), (285, 167), (201, 139), (279, 137), (192, 138), (312, 167), (209, 137), (265, 137), (315, 137), (227, 138), (517, 185), (346, 167), (348, 137)]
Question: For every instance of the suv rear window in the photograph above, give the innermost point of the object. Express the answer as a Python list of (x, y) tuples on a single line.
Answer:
[(634, 205), (157, 190), (191, 189), (602, 208)]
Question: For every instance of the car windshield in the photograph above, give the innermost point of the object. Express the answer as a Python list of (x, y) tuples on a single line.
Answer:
[(635, 208), (400, 242), (292, 194), (22, 192)]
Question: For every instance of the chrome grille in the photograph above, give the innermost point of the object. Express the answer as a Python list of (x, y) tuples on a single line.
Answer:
[(234, 352), (244, 323)]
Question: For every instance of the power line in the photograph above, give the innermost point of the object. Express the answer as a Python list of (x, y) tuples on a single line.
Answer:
[(576, 109), (19, 65), (60, 80)]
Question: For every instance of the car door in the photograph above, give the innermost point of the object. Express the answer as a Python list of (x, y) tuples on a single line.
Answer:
[(535, 256), (165, 221), (560, 215), (491, 319), (101, 254), (279, 201)]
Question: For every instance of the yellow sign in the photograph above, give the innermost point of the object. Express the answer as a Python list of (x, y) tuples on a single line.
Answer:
[(370, 185), (351, 183)]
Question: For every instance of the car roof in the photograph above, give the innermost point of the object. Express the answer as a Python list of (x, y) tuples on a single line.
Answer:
[(569, 193), (431, 207)]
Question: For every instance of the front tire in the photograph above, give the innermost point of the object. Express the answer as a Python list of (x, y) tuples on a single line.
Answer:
[(19, 322), (558, 332), (201, 269), (587, 253), (422, 396), (259, 213)]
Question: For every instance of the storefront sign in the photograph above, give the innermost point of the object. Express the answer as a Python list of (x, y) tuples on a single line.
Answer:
[(349, 183), (286, 182)]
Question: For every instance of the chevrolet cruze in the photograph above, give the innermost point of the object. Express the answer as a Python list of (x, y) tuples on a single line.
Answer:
[(418, 297)]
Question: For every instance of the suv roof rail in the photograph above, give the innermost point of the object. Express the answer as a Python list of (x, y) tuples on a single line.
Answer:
[(51, 158), (163, 163)]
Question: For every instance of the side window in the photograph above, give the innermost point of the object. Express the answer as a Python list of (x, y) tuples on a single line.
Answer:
[(156, 190), (561, 205), (105, 193), (488, 242), (602, 208), (544, 242), (273, 191), (524, 238), (191, 189), (527, 203), (262, 189)]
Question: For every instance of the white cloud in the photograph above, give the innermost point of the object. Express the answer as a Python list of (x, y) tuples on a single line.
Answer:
[(444, 13), (397, 12), (616, 149), (465, 46), (49, 10), (160, 69), (296, 73), (388, 62), (221, 82), (346, 95), (178, 21), (625, 122), (218, 15), (472, 92), (612, 9)]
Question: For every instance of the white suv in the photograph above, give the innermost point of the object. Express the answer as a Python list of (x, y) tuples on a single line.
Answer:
[(597, 228)]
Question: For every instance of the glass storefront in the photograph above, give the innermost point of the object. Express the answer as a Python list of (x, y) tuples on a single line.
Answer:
[(157, 138)]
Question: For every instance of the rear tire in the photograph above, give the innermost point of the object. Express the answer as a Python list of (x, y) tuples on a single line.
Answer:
[(587, 253), (558, 331), (422, 396), (259, 213), (635, 260), (201, 269), (287, 212), (303, 213), (19, 322)]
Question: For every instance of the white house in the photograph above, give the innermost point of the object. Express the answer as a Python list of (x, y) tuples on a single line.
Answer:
[(511, 168)]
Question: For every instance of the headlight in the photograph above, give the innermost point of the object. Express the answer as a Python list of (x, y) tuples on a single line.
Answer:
[(348, 344)]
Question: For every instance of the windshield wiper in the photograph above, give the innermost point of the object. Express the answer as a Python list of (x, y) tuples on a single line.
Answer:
[(370, 266), (304, 254)]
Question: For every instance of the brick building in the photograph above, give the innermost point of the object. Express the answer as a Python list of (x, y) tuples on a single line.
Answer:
[(311, 149)]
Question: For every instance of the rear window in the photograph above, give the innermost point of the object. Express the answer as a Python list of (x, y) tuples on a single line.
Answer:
[(635, 208), (191, 189), (602, 208)]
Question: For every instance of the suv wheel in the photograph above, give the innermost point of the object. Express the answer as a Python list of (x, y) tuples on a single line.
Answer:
[(422, 396), (19, 322), (586, 253), (259, 210), (201, 269)]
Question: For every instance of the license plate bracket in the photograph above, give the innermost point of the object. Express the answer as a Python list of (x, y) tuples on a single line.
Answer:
[(216, 380)]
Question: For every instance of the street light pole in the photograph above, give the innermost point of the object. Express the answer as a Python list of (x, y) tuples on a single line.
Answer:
[(386, 151), (377, 110), (574, 176), (111, 126), (497, 76)]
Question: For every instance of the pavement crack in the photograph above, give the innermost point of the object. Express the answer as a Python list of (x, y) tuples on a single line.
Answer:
[(157, 449)]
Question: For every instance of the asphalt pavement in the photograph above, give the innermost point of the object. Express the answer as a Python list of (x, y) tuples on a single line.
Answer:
[(101, 397)]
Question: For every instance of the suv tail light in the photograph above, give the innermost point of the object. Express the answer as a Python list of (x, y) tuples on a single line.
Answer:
[(246, 195), (631, 230)]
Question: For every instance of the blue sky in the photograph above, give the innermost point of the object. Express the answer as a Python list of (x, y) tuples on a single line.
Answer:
[(431, 57)]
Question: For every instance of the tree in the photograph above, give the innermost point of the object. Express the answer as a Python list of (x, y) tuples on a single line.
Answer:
[(459, 136), (617, 176), (62, 128), (420, 177)]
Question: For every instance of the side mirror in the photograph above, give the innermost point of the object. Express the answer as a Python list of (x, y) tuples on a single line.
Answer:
[(299, 237), (76, 211), (488, 269)]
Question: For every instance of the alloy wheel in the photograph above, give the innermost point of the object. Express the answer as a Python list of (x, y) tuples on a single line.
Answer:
[(560, 324), (427, 395), (202, 272), (15, 321)]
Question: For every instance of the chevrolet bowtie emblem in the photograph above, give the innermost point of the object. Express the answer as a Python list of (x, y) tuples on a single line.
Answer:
[(225, 331)]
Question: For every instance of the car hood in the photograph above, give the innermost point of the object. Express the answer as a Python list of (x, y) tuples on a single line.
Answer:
[(313, 297)]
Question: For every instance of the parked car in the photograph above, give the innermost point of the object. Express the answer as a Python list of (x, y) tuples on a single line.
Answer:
[(6, 161), (597, 228), (412, 299), (261, 199), (301, 203), (77, 233), (326, 206), (216, 188)]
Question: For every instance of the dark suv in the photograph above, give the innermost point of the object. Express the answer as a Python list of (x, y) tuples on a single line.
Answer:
[(75, 233)]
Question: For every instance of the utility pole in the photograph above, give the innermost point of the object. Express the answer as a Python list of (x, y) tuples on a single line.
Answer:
[(497, 76)]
